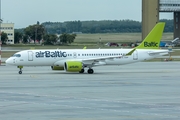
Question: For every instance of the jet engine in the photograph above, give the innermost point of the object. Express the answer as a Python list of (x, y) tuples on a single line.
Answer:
[(73, 66), (57, 67)]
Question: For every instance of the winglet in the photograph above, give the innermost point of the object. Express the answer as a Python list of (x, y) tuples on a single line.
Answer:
[(84, 47), (130, 53)]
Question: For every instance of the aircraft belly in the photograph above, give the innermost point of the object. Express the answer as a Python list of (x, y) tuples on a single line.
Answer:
[(119, 61)]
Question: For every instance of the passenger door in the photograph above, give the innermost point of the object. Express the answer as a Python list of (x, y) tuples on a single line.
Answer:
[(135, 55), (30, 56)]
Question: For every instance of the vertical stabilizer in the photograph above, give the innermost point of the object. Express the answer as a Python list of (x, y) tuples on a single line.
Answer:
[(153, 39)]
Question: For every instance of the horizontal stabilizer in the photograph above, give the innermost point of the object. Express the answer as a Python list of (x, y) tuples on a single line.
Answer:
[(158, 52)]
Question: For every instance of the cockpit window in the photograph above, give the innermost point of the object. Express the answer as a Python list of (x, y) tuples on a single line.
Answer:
[(16, 55)]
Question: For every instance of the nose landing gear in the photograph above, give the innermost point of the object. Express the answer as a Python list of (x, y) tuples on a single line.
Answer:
[(20, 69)]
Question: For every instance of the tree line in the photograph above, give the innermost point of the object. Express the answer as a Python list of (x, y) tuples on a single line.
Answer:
[(103, 26), (47, 32)]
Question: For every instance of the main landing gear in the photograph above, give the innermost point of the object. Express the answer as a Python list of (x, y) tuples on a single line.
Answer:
[(90, 71), (20, 69), (82, 71)]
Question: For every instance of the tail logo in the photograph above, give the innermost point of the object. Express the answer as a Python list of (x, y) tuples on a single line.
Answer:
[(150, 44)]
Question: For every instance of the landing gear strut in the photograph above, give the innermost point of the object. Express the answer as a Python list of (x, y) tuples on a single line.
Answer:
[(90, 71), (20, 69), (82, 71)]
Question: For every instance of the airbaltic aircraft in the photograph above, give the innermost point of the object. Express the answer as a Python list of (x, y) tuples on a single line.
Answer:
[(76, 60)]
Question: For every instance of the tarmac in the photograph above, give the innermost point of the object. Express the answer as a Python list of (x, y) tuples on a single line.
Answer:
[(139, 91)]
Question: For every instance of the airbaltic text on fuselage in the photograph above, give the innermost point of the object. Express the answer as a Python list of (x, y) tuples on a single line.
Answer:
[(41, 54)]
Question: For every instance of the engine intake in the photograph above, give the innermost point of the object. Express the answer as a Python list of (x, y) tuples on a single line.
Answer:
[(57, 67), (73, 66)]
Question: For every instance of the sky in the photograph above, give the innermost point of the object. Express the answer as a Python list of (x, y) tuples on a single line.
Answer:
[(27, 12)]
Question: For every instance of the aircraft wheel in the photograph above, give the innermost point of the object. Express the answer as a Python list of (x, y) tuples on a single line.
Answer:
[(90, 71), (20, 72), (82, 71)]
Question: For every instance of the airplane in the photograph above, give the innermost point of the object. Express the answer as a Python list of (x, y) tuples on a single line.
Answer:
[(172, 43), (76, 60)]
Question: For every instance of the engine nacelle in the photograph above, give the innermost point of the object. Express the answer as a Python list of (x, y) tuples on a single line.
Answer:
[(57, 67), (73, 66)]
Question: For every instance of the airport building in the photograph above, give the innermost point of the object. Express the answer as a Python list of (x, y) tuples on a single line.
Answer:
[(8, 28), (150, 14)]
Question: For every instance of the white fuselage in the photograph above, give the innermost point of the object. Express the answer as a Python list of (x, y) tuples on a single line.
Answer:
[(59, 56)]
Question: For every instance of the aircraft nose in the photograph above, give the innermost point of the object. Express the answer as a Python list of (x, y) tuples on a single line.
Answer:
[(9, 61)]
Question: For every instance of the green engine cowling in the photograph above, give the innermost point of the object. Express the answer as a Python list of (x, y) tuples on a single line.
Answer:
[(57, 67), (73, 66)]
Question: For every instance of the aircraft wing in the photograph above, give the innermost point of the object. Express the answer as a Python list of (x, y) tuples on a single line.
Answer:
[(101, 60), (98, 60)]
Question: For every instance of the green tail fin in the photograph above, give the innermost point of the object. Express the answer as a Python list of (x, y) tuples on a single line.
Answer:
[(153, 39)]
